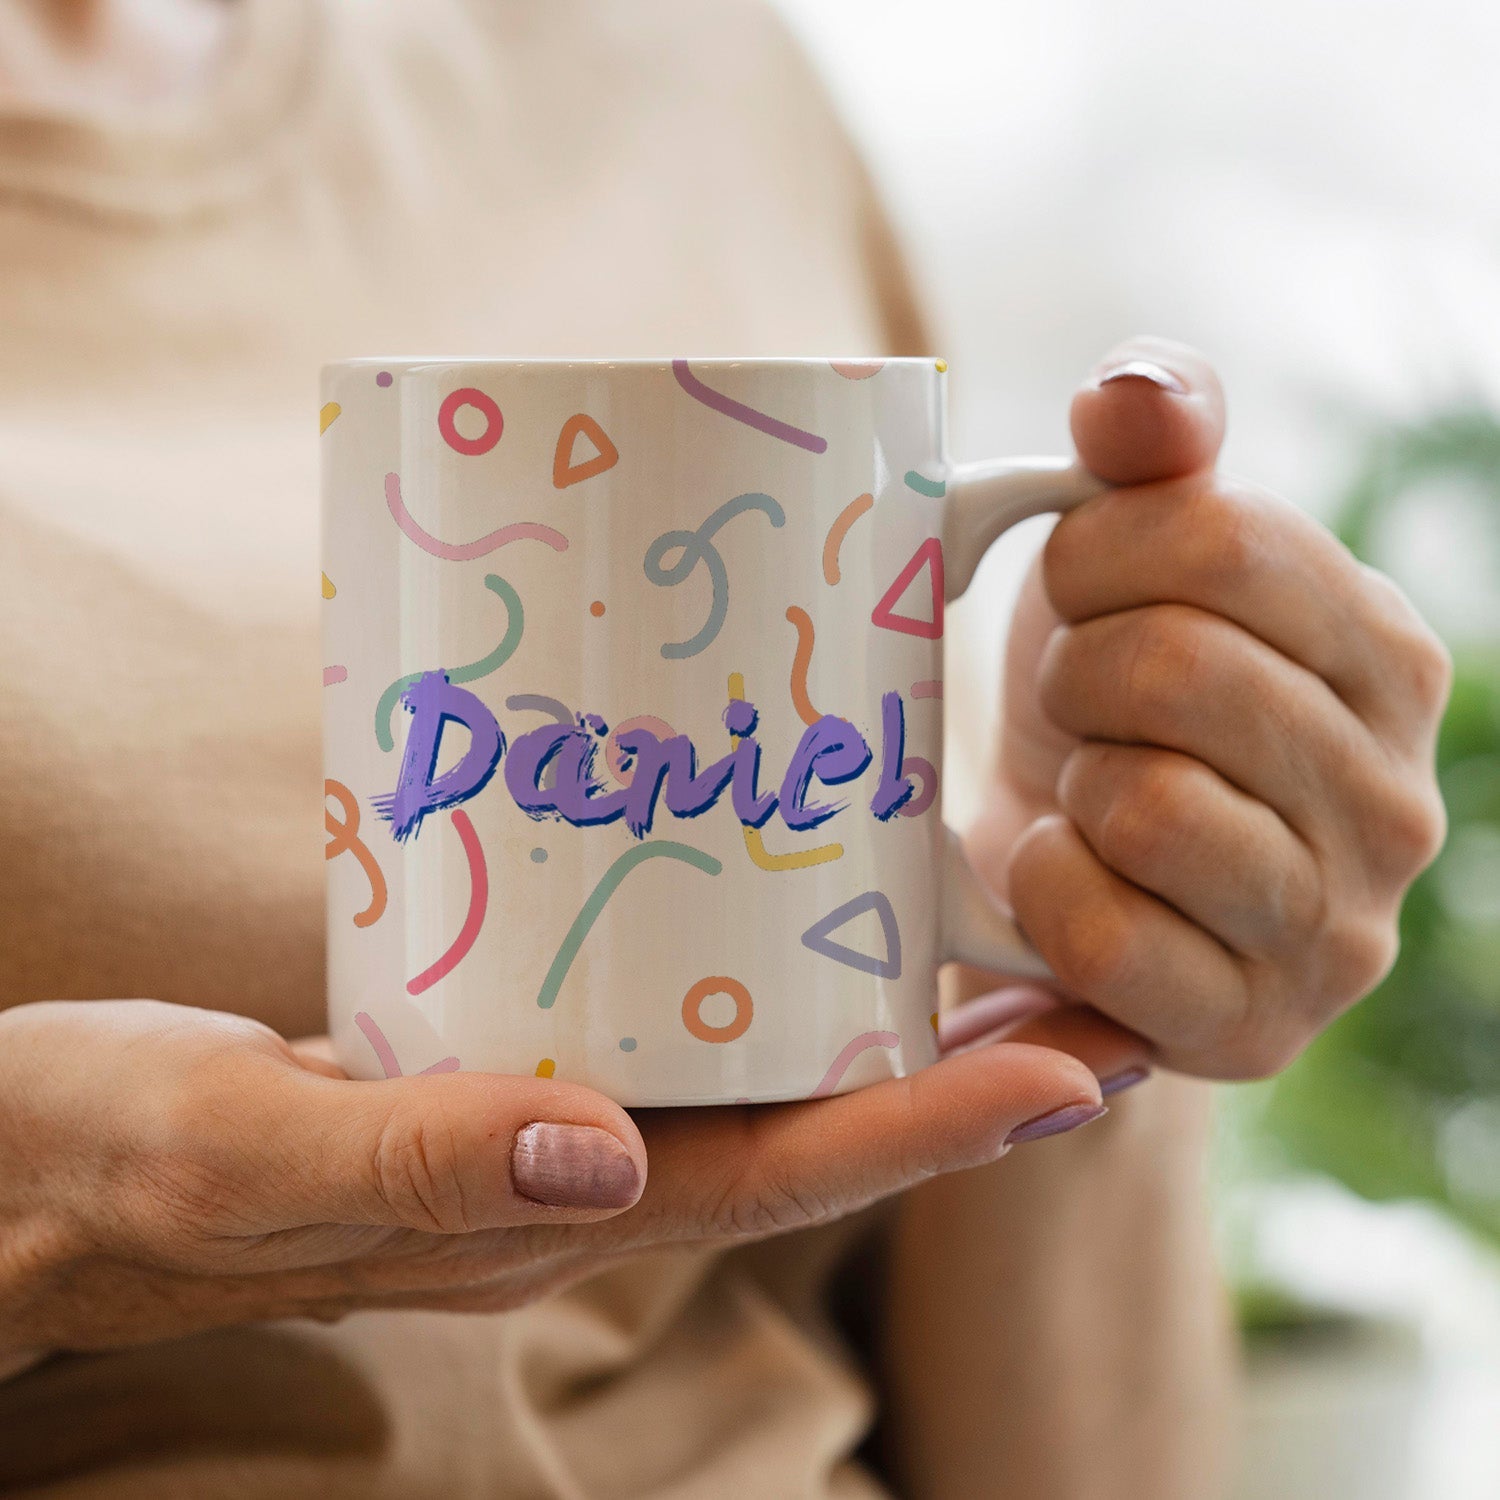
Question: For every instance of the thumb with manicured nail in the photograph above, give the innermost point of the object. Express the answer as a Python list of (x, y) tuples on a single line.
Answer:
[(446, 1153), (1151, 409)]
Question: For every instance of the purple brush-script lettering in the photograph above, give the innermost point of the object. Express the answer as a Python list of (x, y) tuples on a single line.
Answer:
[(666, 772)]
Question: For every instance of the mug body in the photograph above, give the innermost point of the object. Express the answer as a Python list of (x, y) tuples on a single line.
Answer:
[(553, 591)]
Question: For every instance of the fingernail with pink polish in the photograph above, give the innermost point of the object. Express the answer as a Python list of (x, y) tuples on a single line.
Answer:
[(1124, 1079), (1143, 369), (573, 1166), (1055, 1122)]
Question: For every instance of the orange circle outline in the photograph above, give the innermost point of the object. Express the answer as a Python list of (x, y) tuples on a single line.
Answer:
[(717, 984)]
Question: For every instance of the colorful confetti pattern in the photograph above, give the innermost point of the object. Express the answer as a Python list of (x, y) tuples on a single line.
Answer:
[(530, 868)]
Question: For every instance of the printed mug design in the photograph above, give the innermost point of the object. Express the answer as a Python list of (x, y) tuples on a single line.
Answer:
[(433, 774)]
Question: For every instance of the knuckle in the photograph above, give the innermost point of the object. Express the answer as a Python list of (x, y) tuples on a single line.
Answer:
[(772, 1205), (1061, 670), (1300, 903), (1140, 822), (1406, 830), (1165, 653), (1036, 860), (1225, 537), (1352, 959), (1418, 656), (769, 1195), (1357, 956), (1431, 669), (1089, 944), (1258, 1037), (416, 1171)]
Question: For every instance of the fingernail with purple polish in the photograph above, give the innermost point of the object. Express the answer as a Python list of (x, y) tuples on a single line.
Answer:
[(1055, 1122), (1143, 369), (1124, 1079), (573, 1166)]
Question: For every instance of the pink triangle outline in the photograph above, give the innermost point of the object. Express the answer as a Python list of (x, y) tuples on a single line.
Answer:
[(930, 556)]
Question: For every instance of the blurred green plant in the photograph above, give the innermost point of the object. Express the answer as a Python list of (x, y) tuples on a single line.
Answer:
[(1401, 1097)]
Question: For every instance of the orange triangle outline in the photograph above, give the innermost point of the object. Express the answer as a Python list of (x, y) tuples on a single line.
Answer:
[(564, 470), (930, 556)]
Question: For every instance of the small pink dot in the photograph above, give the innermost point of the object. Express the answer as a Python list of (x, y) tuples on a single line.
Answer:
[(384, 378)]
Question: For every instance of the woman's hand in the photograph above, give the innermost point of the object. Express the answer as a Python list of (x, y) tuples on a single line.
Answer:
[(167, 1169), (1216, 777)]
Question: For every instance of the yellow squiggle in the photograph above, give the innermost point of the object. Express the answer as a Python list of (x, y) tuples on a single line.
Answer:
[(798, 860), (755, 845)]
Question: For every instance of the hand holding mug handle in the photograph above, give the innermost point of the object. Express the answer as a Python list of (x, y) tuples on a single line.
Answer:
[(983, 501)]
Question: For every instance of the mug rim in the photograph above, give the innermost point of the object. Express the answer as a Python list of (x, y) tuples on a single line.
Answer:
[(412, 362)]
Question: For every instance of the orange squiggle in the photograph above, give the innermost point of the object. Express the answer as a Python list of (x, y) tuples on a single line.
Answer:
[(345, 836), (836, 533), (800, 663)]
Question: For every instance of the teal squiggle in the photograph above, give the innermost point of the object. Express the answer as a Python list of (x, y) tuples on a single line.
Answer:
[(515, 624), (934, 489), (609, 882)]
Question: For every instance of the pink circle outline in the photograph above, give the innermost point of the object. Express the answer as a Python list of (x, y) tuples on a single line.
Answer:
[(469, 395)]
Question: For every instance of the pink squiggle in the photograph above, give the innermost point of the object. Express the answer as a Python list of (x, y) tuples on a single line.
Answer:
[(479, 895), (518, 531), (930, 687), (385, 1054), (835, 1075), (737, 410), (332, 675)]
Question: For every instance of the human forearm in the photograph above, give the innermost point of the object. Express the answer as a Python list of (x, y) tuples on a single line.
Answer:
[(1054, 1326)]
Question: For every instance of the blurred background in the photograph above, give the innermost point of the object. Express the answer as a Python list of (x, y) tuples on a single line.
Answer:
[(1307, 190)]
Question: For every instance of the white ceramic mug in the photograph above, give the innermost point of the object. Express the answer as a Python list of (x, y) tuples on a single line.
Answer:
[(633, 719)]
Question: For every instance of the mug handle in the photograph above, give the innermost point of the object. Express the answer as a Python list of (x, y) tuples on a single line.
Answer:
[(984, 500)]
